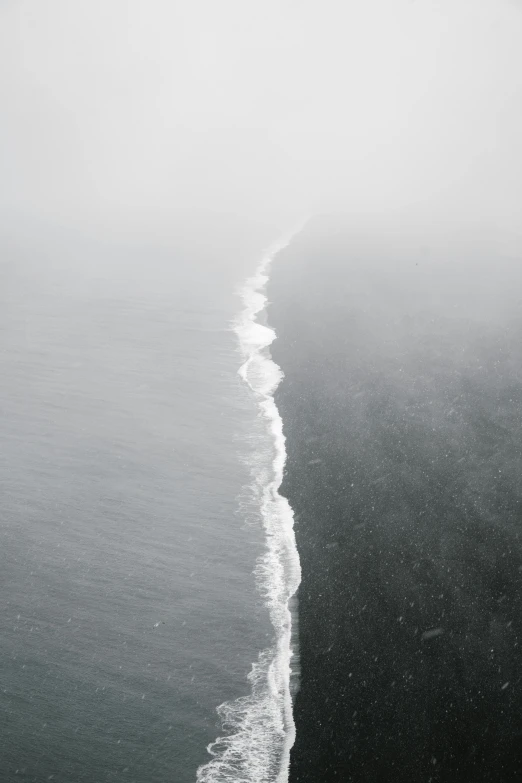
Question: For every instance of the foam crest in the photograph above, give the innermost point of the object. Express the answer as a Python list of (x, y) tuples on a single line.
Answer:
[(259, 729)]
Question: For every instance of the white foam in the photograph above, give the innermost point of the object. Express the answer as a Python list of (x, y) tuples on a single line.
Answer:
[(260, 728)]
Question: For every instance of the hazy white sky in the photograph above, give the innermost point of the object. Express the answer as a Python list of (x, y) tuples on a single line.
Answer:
[(145, 106)]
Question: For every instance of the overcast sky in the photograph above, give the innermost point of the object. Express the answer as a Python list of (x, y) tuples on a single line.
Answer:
[(147, 106)]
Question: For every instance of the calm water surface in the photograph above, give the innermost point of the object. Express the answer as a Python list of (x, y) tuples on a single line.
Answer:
[(128, 607)]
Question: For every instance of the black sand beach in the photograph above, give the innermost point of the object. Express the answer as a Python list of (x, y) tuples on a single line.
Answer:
[(402, 408)]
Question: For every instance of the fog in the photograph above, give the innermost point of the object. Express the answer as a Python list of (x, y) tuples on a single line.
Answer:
[(150, 151), (131, 111)]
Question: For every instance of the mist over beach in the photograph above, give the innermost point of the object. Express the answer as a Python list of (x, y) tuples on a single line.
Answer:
[(126, 112), (260, 269)]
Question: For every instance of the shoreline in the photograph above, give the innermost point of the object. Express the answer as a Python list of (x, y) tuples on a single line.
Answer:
[(260, 729)]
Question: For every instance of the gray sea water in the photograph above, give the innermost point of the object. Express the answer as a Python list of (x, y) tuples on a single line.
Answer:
[(128, 609)]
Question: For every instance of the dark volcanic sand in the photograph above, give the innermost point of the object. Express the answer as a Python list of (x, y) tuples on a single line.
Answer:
[(402, 408)]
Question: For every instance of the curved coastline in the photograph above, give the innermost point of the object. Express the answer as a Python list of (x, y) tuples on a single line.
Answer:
[(260, 729)]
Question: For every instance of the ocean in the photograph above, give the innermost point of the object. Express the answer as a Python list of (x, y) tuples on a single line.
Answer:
[(141, 587)]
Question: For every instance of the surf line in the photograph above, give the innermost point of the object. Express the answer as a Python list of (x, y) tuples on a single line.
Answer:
[(260, 728)]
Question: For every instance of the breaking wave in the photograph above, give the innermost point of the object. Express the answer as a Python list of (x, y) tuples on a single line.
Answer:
[(259, 729)]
